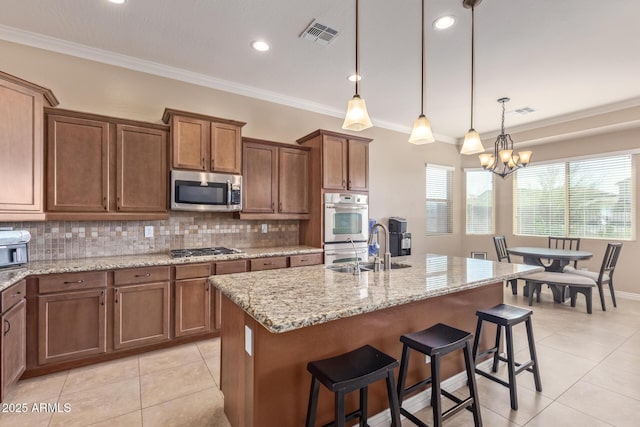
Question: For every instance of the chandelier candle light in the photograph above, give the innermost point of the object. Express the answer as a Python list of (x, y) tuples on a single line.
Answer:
[(472, 142), (504, 161), (357, 117), (421, 133)]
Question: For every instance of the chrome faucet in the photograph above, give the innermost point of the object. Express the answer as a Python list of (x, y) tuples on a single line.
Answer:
[(387, 254), (356, 263)]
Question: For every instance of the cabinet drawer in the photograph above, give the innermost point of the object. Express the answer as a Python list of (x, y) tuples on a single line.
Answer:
[(307, 259), (193, 271), (268, 263), (228, 267), (13, 295), (133, 276), (72, 281)]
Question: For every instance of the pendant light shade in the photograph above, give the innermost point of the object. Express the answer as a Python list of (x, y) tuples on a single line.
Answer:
[(357, 117), (421, 132), (472, 142)]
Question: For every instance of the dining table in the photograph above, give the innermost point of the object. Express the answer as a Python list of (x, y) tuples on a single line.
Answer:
[(552, 259)]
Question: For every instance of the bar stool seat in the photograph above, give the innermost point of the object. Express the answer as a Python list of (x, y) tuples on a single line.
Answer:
[(435, 342), (506, 316), (354, 370)]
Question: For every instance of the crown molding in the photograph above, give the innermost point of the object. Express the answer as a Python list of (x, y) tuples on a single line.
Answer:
[(124, 61)]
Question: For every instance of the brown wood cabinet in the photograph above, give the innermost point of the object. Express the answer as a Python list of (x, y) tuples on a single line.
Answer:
[(200, 142), (141, 307), (105, 168), (13, 349), (270, 263), (275, 180), (21, 145), (193, 299)]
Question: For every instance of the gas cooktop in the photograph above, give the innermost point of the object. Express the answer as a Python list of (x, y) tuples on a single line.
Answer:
[(220, 250)]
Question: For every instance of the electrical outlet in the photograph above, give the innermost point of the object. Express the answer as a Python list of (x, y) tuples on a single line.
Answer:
[(427, 359), (148, 231), (248, 340), (264, 228)]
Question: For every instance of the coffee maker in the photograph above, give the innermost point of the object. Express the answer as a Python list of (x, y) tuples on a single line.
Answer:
[(399, 239)]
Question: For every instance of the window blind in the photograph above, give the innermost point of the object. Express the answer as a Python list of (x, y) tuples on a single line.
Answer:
[(480, 202), (439, 183)]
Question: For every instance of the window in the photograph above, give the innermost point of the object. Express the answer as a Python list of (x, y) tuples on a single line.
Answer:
[(439, 199), (479, 202), (582, 198)]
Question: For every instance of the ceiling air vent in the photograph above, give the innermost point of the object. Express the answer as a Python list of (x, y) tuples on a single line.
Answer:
[(319, 33), (524, 110)]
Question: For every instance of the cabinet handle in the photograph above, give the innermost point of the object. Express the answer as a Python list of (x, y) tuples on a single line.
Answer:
[(101, 297), (143, 275), (115, 291), (273, 206), (206, 287), (349, 183), (16, 294), (203, 162), (267, 263), (303, 260), (8, 328), (280, 206), (104, 202), (343, 186), (81, 281)]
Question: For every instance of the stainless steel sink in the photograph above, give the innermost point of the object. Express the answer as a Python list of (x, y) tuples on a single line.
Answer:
[(365, 266)]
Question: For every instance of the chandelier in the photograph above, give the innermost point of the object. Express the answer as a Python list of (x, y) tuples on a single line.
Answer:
[(504, 160)]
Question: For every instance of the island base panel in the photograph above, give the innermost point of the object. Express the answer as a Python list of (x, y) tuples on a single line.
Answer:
[(271, 387)]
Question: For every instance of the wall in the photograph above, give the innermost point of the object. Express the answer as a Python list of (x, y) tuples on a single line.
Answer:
[(396, 167), (625, 275)]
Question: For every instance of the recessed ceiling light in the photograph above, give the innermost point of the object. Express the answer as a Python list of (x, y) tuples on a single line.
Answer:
[(260, 45), (117, 1), (353, 77), (444, 22)]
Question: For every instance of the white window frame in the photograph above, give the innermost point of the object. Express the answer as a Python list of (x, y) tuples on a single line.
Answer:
[(493, 201), (448, 200)]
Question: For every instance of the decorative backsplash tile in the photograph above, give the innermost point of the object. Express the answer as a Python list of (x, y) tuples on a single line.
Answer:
[(53, 240)]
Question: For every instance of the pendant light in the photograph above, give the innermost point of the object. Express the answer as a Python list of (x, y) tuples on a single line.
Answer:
[(472, 142), (357, 117), (421, 133)]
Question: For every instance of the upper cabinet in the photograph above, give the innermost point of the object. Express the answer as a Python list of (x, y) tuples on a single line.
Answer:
[(21, 145), (104, 168), (275, 180), (344, 160), (204, 143)]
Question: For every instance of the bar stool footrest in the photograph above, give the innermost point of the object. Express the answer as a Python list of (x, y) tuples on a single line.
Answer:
[(492, 377), (417, 421), (464, 404), (417, 386)]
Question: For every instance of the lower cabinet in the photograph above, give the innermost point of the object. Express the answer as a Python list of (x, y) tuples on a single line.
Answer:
[(13, 351), (141, 314), (193, 307), (71, 325)]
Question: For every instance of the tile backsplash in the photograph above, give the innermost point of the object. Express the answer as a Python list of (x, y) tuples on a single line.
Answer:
[(53, 240)]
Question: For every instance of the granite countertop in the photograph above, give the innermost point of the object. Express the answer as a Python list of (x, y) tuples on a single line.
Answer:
[(13, 275), (285, 300)]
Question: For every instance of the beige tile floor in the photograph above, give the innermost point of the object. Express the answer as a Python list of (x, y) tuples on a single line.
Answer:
[(590, 367)]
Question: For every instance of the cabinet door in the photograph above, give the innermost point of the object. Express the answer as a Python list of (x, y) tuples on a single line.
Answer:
[(71, 325), (358, 166), (334, 163), (141, 315), (293, 190), (13, 345), (260, 175), (190, 142), (77, 164), (141, 165), (226, 148), (193, 307), (21, 148)]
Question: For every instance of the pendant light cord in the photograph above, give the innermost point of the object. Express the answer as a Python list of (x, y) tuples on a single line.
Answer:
[(423, 67), (473, 60), (357, 61)]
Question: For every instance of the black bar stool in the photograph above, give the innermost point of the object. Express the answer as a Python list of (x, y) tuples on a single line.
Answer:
[(507, 316), (436, 342), (351, 371)]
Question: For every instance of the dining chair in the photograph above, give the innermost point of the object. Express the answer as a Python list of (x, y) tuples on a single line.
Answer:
[(605, 276), (571, 243), (500, 242)]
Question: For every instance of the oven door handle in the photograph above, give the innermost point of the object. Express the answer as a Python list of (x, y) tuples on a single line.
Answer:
[(229, 194), (355, 208)]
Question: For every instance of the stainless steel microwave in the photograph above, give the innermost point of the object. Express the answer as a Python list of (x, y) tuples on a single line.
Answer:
[(205, 192)]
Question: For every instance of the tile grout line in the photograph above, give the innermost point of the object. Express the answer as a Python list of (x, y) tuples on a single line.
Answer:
[(140, 388), (59, 396)]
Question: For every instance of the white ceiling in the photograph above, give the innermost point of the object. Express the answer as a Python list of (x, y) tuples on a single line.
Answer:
[(559, 57)]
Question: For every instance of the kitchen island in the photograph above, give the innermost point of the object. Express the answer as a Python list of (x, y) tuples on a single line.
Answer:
[(275, 322)]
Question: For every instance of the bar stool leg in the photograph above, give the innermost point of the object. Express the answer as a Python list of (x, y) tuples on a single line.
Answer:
[(340, 414), (363, 406), (476, 341), (404, 362), (394, 406), (313, 403), (533, 355), (436, 403), (511, 367), (496, 355), (471, 383)]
